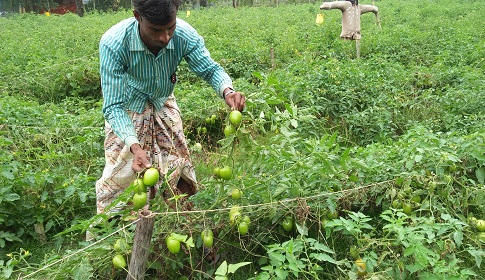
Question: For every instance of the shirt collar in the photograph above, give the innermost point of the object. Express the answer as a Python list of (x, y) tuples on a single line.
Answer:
[(136, 44)]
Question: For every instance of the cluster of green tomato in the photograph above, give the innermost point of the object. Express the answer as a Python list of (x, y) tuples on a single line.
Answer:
[(479, 225), (235, 118), (236, 218), (149, 179), (407, 205), (173, 241), (121, 248)]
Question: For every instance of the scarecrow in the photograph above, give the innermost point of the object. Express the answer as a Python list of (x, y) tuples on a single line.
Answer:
[(351, 11)]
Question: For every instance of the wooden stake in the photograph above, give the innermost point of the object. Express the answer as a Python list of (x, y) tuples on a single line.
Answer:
[(141, 245), (271, 55), (357, 46)]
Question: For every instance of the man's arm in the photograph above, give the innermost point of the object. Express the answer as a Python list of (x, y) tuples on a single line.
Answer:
[(112, 71), (200, 61)]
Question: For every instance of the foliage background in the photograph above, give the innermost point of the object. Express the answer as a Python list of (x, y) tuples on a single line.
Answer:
[(323, 130)]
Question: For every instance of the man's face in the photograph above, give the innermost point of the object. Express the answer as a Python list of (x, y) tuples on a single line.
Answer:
[(153, 35)]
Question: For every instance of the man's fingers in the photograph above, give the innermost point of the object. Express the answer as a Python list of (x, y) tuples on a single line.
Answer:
[(236, 101)]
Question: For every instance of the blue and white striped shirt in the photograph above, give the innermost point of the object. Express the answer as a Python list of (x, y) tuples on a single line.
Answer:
[(131, 75)]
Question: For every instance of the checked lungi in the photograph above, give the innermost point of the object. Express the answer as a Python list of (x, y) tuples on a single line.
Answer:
[(161, 135)]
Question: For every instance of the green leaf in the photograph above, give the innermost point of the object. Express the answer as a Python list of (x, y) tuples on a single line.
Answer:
[(282, 274), (233, 267), (323, 258), (480, 173), (276, 256), (458, 237), (477, 254), (190, 242), (179, 237), (222, 269)]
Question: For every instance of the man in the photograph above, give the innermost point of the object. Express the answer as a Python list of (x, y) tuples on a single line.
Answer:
[(138, 62)]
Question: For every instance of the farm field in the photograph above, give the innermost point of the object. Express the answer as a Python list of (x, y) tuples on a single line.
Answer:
[(344, 167)]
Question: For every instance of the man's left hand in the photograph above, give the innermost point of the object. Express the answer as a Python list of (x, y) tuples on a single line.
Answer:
[(236, 101)]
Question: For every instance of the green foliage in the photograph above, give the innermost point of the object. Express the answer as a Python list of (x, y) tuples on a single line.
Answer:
[(296, 257), (322, 132)]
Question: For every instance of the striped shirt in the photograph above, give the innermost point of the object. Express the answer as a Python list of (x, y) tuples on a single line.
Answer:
[(131, 75)]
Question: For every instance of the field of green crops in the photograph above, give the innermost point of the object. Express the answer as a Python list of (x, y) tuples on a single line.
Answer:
[(369, 167)]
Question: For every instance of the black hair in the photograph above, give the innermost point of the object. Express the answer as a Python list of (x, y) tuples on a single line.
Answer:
[(157, 11), (354, 2)]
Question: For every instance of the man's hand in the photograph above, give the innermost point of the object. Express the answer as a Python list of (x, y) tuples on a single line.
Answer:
[(140, 159), (236, 100)]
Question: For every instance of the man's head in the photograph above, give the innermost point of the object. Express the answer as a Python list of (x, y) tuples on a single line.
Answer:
[(158, 12), (157, 21)]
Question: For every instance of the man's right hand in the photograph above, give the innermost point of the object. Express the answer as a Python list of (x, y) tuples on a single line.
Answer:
[(140, 158)]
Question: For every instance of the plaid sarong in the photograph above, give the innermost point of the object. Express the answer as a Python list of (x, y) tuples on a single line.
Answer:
[(161, 135)]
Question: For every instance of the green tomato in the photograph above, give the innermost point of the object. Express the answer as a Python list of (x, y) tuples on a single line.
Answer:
[(207, 238), (480, 225), (235, 117), (235, 209), (354, 252), (396, 204), (139, 186), (197, 147), (217, 172), (229, 130), (407, 208), (416, 199), (481, 236), (287, 225), (243, 228), (139, 200), (361, 267), (236, 194), (332, 215), (234, 217), (225, 173), (120, 245), (151, 176), (119, 261), (173, 245), (246, 219)]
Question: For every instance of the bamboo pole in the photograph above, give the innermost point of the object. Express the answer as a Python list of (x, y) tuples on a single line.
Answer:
[(141, 245)]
